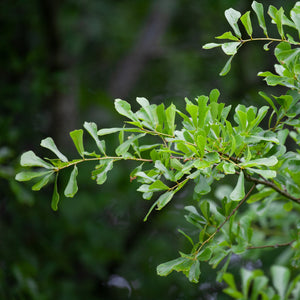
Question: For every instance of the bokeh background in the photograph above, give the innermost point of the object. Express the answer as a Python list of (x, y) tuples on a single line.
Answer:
[(64, 62)]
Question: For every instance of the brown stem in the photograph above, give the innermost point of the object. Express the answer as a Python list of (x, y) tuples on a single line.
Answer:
[(273, 186), (271, 246)]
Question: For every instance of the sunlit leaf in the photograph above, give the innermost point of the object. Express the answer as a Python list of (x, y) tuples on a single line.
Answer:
[(259, 10), (245, 18), (29, 159), (239, 191), (232, 17), (227, 36), (91, 128), (49, 144)]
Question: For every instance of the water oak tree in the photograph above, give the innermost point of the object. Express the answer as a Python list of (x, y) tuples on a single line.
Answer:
[(170, 149)]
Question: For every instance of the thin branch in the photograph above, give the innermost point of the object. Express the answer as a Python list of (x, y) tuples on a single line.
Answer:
[(226, 220), (271, 246), (273, 186)]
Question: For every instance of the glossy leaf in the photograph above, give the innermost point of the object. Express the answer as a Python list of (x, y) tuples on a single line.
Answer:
[(230, 48), (91, 128), (28, 175), (245, 18), (49, 144), (72, 188), (55, 196), (280, 277), (164, 199), (239, 191), (123, 148), (232, 17), (77, 137), (259, 10), (100, 174), (226, 36), (194, 272), (44, 181), (124, 108), (29, 159)]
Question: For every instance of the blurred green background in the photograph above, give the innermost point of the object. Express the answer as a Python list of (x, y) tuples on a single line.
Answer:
[(63, 63)]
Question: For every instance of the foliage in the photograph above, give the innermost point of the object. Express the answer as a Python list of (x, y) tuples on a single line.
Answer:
[(204, 149)]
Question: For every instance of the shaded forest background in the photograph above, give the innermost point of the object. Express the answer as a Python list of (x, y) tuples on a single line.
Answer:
[(63, 63)]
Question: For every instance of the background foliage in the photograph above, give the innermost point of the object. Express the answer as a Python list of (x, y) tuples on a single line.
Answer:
[(64, 62)]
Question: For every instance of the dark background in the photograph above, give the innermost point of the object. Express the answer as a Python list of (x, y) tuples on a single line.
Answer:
[(63, 63)]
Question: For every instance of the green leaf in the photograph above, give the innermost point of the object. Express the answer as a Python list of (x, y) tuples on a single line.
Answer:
[(165, 171), (229, 168), (227, 36), (202, 187), (187, 237), (259, 10), (170, 118), (123, 148), (227, 67), (178, 264), (105, 131), (91, 128), (29, 159), (267, 161), (194, 272), (204, 255), (239, 191), (269, 101), (164, 199), (55, 196), (295, 16), (230, 48), (245, 18), (77, 137), (124, 109), (211, 45), (214, 95), (100, 174), (232, 17), (49, 144), (158, 185), (72, 188), (42, 182), (280, 277), (264, 173), (28, 175), (277, 17)]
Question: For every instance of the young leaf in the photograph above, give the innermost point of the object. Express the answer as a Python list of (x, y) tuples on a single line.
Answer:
[(72, 188), (28, 175), (123, 148), (280, 278), (164, 199), (259, 10), (55, 196), (227, 36), (49, 144), (232, 17), (245, 18), (29, 159), (124, 108), (100, 174), (194, 272), (42, 182), (91, 128), (211, 45), (77, 137), (230, 48), (239, 191), (158, 186), (227, 67)]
